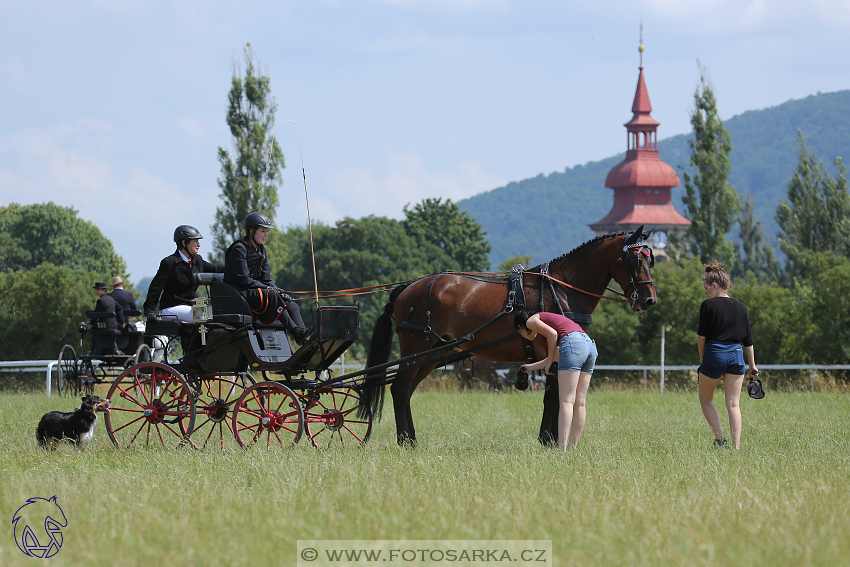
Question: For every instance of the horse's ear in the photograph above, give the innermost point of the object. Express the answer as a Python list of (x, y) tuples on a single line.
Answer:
[(633, 237), (646, 235)]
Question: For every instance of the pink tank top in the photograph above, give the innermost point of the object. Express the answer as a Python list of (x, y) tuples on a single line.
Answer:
[(562, 325)]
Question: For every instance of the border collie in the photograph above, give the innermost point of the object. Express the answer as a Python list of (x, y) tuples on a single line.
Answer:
[(77, 426)]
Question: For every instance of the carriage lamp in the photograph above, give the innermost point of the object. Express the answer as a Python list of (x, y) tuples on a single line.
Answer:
[(201, 313), (82, 329)]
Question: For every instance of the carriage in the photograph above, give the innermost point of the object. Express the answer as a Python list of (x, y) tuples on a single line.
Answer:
[(211, 396), (80, 373)]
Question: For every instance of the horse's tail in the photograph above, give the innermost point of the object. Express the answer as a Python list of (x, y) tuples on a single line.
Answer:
[(372, 391)]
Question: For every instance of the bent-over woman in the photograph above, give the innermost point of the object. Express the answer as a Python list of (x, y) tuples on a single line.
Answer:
[(575, 353), (723, 336), (246, 267)]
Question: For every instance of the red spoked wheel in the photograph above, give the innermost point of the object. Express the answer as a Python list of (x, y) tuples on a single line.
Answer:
[(332, 421), (215, 402), (268, 414), (150, 405)]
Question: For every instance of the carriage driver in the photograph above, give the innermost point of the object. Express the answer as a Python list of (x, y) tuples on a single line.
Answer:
[(246, 267), (173, 286)]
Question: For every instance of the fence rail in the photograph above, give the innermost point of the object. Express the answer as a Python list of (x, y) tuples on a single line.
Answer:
[(30, 366), (48, 365)]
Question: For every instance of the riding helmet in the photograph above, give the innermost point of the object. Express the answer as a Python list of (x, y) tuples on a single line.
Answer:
[(256, 220), (186, 232)]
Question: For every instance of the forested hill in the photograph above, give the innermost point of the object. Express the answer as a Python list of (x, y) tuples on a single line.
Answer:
[(763, 158)]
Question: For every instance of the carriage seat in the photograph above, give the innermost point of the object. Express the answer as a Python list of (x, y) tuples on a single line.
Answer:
[(228, 304)]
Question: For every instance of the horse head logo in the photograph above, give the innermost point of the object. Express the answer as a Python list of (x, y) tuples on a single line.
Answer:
[(38, 527)]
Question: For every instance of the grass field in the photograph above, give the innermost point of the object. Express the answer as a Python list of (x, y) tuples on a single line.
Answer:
[(644, 487)]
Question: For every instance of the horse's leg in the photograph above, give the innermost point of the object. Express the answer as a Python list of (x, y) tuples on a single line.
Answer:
[(401, 390), (551, 408)]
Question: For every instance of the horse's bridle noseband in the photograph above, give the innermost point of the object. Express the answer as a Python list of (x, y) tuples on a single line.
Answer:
[(633, 262)]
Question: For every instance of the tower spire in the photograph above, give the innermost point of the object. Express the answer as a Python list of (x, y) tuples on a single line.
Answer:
[(640, 47)]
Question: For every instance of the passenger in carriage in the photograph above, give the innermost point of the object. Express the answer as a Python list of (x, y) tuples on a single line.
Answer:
[(104, 339), (246, 267), (173, 286)]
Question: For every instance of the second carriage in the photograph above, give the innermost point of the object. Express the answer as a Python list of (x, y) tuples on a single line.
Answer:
[(211, 395)]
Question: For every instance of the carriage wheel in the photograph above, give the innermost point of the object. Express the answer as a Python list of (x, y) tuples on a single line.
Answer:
[(143, 354), (66, 371), (332, 420), (88, 375), (173, 351), (268, 414), (215, 402), (147, 402)]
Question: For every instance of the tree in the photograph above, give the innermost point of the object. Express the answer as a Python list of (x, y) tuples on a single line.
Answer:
[(759, 257), (712, 202), (357, 253), (248, 180), (450, 230), (816, 216), (506, 265), (40, 310), (31, 235)]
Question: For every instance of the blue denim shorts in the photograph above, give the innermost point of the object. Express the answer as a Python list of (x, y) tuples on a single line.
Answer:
[(722, 357), (577, 352)]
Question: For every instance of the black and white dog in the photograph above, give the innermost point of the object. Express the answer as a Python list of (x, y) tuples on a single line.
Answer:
[(77, 426)]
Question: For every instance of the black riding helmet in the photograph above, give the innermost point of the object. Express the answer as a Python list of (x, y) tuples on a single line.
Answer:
[(186, 232), (255, 220)]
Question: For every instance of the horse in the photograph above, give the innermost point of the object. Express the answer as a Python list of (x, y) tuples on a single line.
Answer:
[(440, 308)]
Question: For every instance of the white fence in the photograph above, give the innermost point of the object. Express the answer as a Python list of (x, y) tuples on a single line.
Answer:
[(340, 368), (30, 366)]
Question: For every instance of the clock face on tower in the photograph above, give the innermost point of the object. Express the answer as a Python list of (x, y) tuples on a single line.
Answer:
[(659, 239)]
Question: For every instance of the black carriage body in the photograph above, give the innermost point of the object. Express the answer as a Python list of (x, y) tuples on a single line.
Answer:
[(236, 343)]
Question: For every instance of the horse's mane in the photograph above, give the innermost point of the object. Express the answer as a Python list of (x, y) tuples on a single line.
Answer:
[(581, 246)]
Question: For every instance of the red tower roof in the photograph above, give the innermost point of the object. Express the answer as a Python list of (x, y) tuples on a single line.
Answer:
[(641, 182)]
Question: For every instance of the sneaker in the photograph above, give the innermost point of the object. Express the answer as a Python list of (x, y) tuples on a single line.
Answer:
[(521, 382), (721, 443)]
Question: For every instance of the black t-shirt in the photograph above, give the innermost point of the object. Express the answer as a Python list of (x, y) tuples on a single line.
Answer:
[(725, 319)]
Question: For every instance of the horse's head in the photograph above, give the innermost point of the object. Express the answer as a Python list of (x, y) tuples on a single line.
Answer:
[(633, 270)]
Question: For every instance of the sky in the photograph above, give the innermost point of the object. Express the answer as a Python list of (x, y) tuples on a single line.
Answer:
[(117, 108)]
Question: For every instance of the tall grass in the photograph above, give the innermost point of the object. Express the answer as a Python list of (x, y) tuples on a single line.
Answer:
[(644, 487)]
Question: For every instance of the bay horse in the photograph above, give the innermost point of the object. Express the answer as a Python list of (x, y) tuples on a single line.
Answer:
[(439, 308)]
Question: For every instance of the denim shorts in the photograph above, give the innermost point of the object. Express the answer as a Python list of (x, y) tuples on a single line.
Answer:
[(722, 357), (577, 352)]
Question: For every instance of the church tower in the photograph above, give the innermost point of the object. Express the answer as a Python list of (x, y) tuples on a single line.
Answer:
[(642, 182)]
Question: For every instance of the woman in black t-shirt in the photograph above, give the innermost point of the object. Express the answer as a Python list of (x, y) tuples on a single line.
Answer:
[(723, 336)]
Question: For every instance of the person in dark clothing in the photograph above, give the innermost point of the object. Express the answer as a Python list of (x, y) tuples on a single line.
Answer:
[(128, 303), (723, 336), (173, 286), (246, 267), (123, 298), (104, 338)]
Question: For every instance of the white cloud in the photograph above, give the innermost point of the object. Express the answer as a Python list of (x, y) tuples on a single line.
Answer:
[(68, 164), (358, 192), (192, 128)]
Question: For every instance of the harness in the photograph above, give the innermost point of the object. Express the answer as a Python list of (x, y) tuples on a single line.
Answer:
[(516, 298)]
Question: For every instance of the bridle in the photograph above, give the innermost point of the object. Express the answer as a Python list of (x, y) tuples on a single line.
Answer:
[(633, 263)]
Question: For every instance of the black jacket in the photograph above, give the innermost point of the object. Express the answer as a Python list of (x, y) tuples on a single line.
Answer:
[(247, 267), (108, 305), (125, 299), (173, 283)]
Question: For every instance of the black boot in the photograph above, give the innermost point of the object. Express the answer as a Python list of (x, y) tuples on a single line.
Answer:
[(301, 334)]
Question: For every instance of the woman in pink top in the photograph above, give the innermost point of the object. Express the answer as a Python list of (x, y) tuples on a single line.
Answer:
[(575, 359)]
